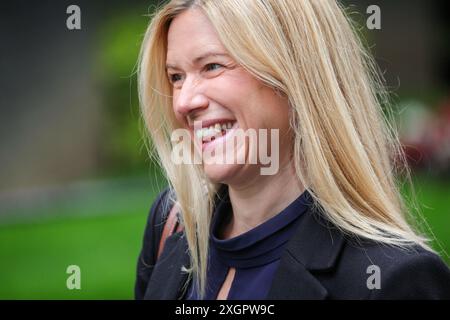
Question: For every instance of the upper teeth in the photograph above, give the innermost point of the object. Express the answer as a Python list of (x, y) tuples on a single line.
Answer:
[(213, 130)]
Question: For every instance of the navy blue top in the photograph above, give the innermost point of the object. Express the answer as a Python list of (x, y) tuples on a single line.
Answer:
[(255, 254)]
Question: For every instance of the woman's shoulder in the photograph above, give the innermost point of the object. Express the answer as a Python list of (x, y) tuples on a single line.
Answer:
[(160, 207), (152, 234), (392, 272), (155, 224), (350, 267)]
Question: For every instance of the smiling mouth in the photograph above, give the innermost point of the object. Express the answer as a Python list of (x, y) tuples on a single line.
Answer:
[(214, 131)]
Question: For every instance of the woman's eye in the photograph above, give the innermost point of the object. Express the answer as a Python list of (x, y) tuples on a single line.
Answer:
[(174, 77), (213, 66)]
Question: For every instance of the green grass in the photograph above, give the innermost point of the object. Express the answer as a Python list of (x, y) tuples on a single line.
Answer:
[(100, 231), (34, 255), (433, 196)]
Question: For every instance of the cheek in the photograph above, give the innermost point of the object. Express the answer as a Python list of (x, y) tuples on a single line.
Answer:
[(272, 110), (279, 114), (258, 104), (174, 100), (236, 89), (179, 117)]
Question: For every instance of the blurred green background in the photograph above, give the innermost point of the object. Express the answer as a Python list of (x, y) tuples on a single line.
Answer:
[(75, 180)]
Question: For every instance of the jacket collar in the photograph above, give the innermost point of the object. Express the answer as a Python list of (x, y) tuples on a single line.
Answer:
[(315, 247)]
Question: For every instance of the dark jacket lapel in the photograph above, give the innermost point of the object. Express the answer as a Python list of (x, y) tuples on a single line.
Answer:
[(315, 247)]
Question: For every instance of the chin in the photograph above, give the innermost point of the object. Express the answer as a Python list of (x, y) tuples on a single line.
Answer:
[(221, 173)]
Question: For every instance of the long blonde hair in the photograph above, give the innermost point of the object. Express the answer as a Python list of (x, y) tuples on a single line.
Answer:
[(344, 148)]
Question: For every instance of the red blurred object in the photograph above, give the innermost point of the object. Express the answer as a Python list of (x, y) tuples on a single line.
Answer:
[(431, 147)]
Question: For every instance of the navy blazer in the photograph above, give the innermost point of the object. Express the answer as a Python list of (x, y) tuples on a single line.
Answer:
[(319, 262)]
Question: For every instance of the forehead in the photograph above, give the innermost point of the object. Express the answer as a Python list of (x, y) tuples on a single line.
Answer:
[(190, 34)]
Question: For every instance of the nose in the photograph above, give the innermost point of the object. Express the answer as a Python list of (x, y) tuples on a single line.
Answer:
[(189, 98)]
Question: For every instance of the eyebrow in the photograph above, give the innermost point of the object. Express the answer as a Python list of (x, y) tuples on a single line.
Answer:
[(200, 58)]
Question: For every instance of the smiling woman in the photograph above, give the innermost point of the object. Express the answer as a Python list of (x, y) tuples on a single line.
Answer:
[(211, 88), (329, 215)]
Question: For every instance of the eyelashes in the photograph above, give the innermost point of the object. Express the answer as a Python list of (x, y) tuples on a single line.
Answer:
[(208, 66), (173, 78)]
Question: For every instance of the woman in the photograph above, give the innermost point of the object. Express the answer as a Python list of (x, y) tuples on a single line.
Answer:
[(328, 222)]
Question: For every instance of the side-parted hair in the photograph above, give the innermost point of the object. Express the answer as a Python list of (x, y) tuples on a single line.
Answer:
[(345, 151)]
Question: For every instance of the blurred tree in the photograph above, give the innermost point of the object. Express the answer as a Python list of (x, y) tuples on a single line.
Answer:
[(119, 44)]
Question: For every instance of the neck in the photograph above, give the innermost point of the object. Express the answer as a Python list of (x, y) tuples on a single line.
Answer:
[(261, 199)]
